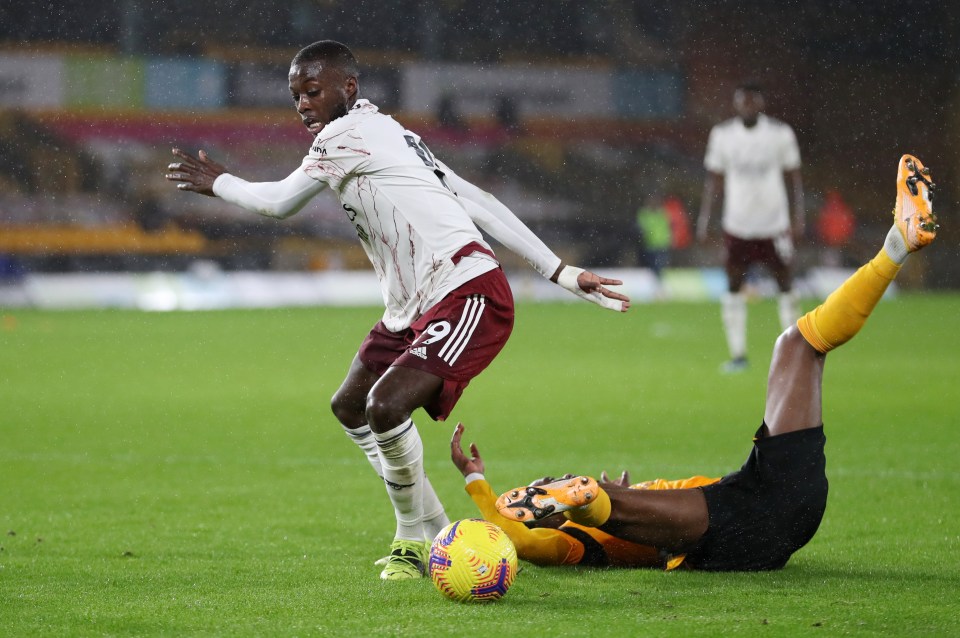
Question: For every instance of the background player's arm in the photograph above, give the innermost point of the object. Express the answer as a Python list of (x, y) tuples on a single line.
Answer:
[(789, 157), (712, 188), (794, 182), (491, 216), (541, 546), (272, 199), (715, 161)]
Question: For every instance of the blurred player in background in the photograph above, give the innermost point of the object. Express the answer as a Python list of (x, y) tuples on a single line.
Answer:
[(755, 518), (656, 234), (449, 309), (750, 158)]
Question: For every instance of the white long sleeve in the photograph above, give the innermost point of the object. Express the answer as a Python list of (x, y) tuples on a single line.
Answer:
[(271, 199), (499, 222)]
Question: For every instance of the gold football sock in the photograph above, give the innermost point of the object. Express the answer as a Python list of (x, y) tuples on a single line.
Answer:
[(845, 310), (593, 515)]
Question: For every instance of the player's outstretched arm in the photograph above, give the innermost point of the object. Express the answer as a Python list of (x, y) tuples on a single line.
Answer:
[(271, 199), (498, 221), (540, 545), (488, 213)]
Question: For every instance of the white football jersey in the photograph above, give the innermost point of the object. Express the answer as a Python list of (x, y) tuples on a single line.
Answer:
[(409, 222), (752, 161)]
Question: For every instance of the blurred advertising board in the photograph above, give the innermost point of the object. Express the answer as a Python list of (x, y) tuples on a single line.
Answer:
[(544, 90), (31, 81), (103, 82), (646, 94), (258, 85), (79, 81), (82, 81), (177, 83), (205, 287), (533, 90)]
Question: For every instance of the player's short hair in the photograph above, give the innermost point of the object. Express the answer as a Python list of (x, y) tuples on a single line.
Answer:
[(750, 86), (331, 52)]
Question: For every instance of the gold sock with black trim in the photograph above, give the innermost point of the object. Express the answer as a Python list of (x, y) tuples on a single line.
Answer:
[(845, 310), (595, 514)]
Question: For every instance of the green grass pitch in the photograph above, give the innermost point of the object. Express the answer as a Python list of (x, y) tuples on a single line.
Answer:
[(181, 474)]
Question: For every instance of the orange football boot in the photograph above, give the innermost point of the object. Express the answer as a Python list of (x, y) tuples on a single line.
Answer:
[(913, 213), (531, 503)]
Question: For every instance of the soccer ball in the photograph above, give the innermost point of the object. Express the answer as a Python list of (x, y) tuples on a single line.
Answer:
[(472, 560)]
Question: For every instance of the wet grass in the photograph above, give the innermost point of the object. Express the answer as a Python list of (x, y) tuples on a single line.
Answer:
[(181, 474)]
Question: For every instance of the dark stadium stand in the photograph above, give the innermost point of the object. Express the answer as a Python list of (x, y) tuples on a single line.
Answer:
[(92, 162)]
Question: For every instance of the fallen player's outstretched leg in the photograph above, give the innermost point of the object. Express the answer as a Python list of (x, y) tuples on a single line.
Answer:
[(757, 517), (844, 312)]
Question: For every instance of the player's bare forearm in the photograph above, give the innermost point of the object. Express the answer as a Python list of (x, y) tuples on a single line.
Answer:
[(196, 174), (467, 465)]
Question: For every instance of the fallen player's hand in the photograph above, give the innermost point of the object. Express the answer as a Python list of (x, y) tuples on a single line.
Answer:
[(590, 286), (623, 481), (466, 465)]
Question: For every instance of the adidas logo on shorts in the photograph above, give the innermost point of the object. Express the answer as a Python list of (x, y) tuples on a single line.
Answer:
[(419, 351)]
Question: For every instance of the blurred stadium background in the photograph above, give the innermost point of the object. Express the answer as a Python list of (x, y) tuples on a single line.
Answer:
[(570, 112)]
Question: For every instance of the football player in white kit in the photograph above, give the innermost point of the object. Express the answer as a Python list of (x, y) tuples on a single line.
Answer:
[(449, 309), (751, 158)]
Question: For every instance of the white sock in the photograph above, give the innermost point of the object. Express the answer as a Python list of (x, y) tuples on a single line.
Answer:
[(363, 437), (434, 516), (401, 457), (896, 246), (733, 311), (788, 309)]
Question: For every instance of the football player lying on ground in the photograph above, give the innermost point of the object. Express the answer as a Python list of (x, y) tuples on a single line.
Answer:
[(757, 517), (449, 308), (553, 539)]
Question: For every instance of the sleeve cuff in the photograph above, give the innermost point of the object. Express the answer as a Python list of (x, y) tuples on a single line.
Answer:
[(221, 180), (474, 476)]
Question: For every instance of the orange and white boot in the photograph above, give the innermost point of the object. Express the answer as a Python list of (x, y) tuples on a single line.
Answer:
[(533, 502), (913, 213)]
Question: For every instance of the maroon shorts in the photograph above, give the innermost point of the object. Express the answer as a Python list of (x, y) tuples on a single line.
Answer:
[(454, 340), (774, 252)]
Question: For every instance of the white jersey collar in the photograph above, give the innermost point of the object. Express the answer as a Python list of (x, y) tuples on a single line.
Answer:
[(364, 106)]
